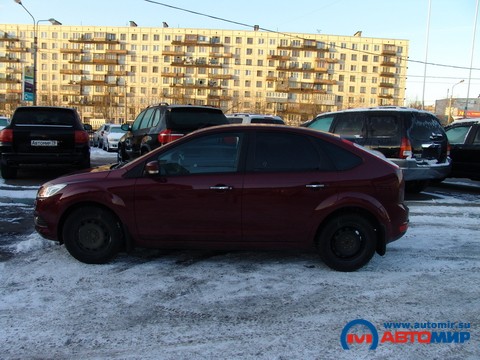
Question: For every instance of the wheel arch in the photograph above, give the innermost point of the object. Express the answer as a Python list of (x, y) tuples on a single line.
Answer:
[(357, 210), (127, 239)]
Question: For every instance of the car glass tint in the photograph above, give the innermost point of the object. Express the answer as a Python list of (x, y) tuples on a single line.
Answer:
[(284, 152), (216, 153), (476, 141), (3, 122), (156, 118), (423, 127), (147, 120), (322, 123), (384, 126), (350, 124), (457, 135), (189, 119), (340, 157), (138, 120), (39, 116)]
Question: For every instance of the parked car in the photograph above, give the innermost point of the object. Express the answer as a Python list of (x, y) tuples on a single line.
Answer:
[(111, 135), (3, 122), (412, 139), (160, 124), (233, 187), (246, 118), (97, 137), (44, 135), (464, 138)]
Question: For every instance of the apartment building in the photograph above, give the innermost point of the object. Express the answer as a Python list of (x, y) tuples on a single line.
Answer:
[(111, 73)]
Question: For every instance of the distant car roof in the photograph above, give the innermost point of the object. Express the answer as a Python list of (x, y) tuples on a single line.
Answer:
[(466, 121), (378, 108)]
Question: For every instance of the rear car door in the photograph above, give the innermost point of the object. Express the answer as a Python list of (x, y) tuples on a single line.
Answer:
[(196, 199)]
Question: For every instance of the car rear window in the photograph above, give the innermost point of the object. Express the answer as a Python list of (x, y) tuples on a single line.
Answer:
[(39, 116), (189, 119), (422, 127)]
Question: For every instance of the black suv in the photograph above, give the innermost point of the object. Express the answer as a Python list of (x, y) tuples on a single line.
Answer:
[(44, 135), (464, 137), (412, 139), (160, 124)]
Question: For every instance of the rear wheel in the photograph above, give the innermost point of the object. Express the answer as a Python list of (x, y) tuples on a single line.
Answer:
[(8, 172), (347, 242), (92, 235)]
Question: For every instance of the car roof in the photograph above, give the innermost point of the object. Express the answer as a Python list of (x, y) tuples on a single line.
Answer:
[(377, 108), (467, 121)]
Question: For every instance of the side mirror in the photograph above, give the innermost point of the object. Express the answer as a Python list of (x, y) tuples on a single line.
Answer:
[(125, 127), (152, 168)]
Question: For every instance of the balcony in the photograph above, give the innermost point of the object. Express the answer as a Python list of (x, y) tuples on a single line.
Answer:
[(9, 80), (90, 40), (218, 55), (173, 74), (71, 71), (387, 74), (389, 50), (116, 51), (220, 76), (325, 82), (386, 85), (278, 57), (10, 48), (9, 59), (71, 51), (173, 53), (388, 63)]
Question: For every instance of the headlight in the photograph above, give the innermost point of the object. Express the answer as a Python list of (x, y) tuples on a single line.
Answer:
[(50, 190)]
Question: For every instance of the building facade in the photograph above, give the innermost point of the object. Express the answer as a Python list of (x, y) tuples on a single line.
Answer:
[(111, 73)]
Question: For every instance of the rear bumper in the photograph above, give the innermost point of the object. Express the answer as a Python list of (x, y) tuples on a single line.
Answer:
[(414, 170)]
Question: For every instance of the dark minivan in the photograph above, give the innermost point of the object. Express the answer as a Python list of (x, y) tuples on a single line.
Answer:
[(412, 139), (44, 135), (160, 124)]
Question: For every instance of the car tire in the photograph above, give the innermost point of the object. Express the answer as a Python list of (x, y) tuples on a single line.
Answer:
[(92, 235), (416, 186), (8, 172), (347, 242)]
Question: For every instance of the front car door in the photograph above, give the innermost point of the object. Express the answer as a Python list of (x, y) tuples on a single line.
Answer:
[(465, 150), (196, 199)]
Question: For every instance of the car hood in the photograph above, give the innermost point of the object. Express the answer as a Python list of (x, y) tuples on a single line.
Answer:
[(92, 174)]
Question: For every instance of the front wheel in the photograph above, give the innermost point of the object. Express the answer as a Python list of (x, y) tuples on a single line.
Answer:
[(347, 242), (92, 235)]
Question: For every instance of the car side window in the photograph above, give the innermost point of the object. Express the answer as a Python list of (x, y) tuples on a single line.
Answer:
[(283, 153), (147, 119), (218, 153), (322, 123), (458, 134), (156, 118), (384, 126), (476, 141), (350, 124), (138, 120)]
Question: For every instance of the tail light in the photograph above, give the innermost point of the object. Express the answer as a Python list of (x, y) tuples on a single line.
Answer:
[(6, 136), (405, 149), (166, 136), (81, 137), (449, 148)]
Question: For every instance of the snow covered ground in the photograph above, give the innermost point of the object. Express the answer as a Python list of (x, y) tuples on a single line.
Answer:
[(243, 305)]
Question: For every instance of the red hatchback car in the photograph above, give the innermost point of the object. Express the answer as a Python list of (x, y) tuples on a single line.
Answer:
[(233, 187)]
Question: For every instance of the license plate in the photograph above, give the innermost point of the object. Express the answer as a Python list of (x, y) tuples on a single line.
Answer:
[(44, 142)]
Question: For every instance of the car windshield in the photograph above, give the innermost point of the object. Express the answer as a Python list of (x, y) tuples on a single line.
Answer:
[(186, 119), (116, 129)]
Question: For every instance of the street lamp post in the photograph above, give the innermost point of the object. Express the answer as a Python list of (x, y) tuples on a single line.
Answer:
[(35, 46), (450, 101)]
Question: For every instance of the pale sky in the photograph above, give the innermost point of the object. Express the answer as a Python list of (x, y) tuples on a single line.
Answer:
[(450, 40)]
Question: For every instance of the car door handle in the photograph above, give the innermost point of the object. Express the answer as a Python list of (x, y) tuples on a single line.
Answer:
[(221, 187), (315, 186)]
